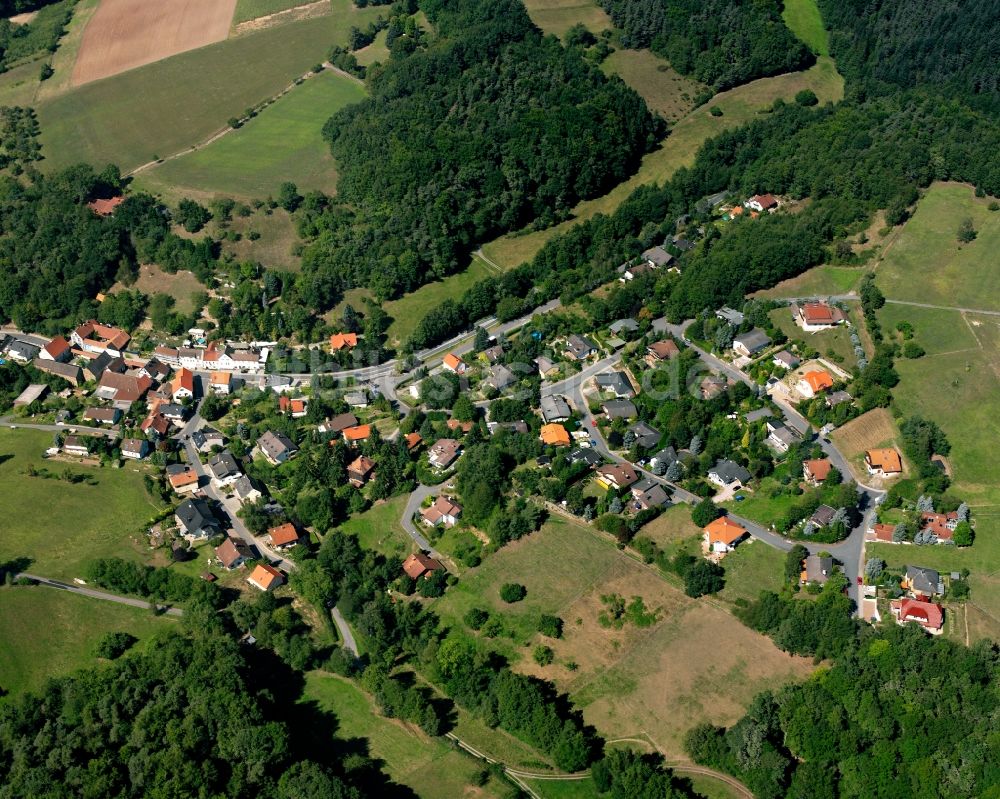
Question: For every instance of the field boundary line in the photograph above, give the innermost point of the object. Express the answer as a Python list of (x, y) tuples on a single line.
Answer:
[(259, 23)]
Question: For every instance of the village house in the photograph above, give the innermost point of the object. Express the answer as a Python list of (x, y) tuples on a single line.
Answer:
[(928, 615), (225, 469), (656, 257), (881, 532), (155, 426), (723, 535), (781, 437), (660, 351), (726, 474), (444, 453), (546, 367), (554, 409), (105, 206), (338, 424), (102, 415), (813, 383), (69, 372), (712, 386), (221, 382), (520, 426), (356, 399), (75, 445), (98, 364), (182, 386), (284, 536), (666, 456), (297, 407), (616, 476), (815, 471), (445, 511), (183, 479), (154, 369), (232, 554), (500, 377), (357, 434), (359, 471), (586, 455), (206, 438), (816, 569), (751, 342), (419, 565), (412, 441), (646, 436), (761, 203), (554, 435), (122, 389), (452, 363), (754, 416), (729, 315), (630, 272), (647, 494), (343, 341), (22, 351), (621, 326), (921, 582), (173, 412), (195, 519), (276, 447), (835, 398), (493, 354), (616, 383), (785, 360), (941, 525), (815, 316), (97, 338), (579, 348), (245, 491), (58, 349), (135, 448), (619, 409), (884, 462), (266, 578), (822, 517)]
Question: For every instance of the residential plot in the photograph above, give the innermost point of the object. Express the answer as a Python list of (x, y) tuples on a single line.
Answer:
[(283, 143), (56, 632), (124, 34), (61, 525), (872, 430), (928, 264)]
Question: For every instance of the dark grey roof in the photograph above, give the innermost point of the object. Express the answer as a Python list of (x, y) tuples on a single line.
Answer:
[(651, 497), (67, 371), (729, 315), (275, 444), (646, 436), (617, 382), (658, 256), (757, 415), (667, 455), (580, 346), (619, 409), (823, 515), (754, 340), (623, 324), (586, 455), (194, 515), (23, 350), (728, 472), (224, 465), (554, 408), (924, 581), (172, 409), (501, 377), (243, 487), (682, 244), (818, 569), (837, 397)]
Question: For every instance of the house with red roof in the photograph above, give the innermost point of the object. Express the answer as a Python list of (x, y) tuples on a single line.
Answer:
[(58, 349), (343, 341), (105, 207), (444, 511), (182, 385), (453, 363), (761, 203), (266, 578), (928, 615), (97, 338), (814, 316), (419, 565), (813, 383), (816, 471), (283, 536)]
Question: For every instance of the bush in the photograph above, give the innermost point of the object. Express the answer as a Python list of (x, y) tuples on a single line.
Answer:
[(550, 626), (113, 645), (806, 97), (913, 350), (963, 535), (703, 577), (705, 512), (476, 618), (543, 655), (513, 592), (715, 111)]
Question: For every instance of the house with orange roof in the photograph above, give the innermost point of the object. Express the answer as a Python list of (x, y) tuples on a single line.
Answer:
[(555, 435), (884, 462), (283, 536), (929, 615), (94, 337), (343, 341), (105, 207), (266, 578), (816, 471), (56, 350), (359, 471), (453, 363), (182, 386), (297, 407), (221, 382), (723, 535), (184, 482), (357, 434), (814, 316), (882, 533), (445, 511), (419, 565), (413, 440), (813, 383)]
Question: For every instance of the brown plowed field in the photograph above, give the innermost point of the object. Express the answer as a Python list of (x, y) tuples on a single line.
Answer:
[(124, 34)]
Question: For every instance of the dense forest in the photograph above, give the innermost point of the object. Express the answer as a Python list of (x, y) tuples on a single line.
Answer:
[(489, 128), (22, 42), (950, 45), (719, 42)]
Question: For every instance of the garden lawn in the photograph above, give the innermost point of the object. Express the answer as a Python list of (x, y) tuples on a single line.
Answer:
[(61, 526), (835, 340), (378, 528), (51, 633), (378, 50), (816, 282), (429, 766), (283, 143), (751, 568), (760, 507), (163, 108), (738, 105), (928, 264)]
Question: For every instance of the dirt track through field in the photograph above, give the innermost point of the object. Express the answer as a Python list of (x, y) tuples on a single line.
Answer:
[(124, 34)]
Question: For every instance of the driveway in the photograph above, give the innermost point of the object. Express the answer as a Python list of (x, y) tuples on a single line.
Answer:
[(413, 506)]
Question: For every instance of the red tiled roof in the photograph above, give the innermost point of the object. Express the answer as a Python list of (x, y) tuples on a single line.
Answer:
[(418, 564), (883, 532), (818, 381), (57, 347), (265, 577), (927, 614), (283, 534), (663, 350), (724, 530), (413, 440), (937, 523), (342, 341), (886, 459), (818, 469), (105, 207), (183, 379), (358, 433), (452, 361)]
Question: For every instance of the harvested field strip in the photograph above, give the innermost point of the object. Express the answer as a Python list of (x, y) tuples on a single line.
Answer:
[(124, 34)]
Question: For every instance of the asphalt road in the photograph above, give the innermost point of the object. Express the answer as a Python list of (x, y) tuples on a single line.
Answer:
[(412, 506), (121, 600)]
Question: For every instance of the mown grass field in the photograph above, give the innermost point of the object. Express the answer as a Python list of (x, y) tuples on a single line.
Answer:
[(738, 105), (163, 108), (252, 9), (665, 90), (277, 242), (60, 526), (804, 20), (376, 51), (153, 280), (818, 281), (51, 633), (378, 528), (654, 681), (427, 765), (558, 16), (928, 264), (407, 311), (283, 143), (751, 568)]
